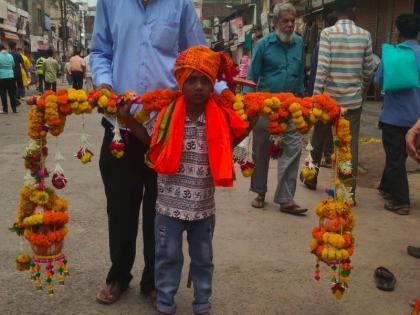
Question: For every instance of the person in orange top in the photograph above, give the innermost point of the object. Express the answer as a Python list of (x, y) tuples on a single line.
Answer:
[(191, 150)]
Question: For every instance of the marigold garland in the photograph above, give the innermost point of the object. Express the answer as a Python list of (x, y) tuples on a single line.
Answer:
[(41, 215), (333, 241), (46, 238)]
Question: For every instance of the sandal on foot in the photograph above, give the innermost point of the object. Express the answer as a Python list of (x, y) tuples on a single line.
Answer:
[(385, 195), (398, 209), (150, 296), (110, 293), (293, 209), (385, 279), (259, 202)]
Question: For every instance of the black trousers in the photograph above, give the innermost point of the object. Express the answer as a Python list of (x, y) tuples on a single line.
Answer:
[(322, 142), (77, 77), (394, 178), (127, 182), (41, 79), (51, 86), (8, 86)]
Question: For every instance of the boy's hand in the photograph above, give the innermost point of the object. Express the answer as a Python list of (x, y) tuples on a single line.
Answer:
[(124, 111), (103, 86)]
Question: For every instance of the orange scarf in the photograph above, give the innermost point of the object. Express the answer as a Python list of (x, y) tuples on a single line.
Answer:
[(223, 125)]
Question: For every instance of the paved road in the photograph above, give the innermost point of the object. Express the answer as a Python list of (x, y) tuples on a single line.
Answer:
[(262, 259)]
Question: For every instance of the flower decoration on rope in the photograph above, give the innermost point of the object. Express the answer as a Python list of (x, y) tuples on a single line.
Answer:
[(84, 154), (333, 240), (42, 215)]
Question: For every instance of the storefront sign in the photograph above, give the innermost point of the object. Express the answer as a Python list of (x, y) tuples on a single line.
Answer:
[(39, 43), (12, 18)]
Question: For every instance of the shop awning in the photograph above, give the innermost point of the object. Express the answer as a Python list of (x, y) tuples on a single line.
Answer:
[(11, 36)]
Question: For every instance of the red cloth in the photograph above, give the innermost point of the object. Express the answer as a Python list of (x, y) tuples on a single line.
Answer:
[(223, 125)]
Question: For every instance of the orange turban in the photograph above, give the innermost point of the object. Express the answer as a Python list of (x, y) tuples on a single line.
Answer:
[(214, 65)]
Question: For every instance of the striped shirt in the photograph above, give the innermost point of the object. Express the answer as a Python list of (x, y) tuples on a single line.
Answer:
[(189, 194), (345, 63)]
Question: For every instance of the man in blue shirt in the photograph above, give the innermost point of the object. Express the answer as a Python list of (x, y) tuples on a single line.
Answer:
[(134, 47), (278, 66), (400, 112)]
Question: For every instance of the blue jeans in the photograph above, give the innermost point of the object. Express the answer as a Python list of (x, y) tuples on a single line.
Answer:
[(169, 260)]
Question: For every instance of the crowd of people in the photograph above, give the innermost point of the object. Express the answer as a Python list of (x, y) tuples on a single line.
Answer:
[(18, 72), (75, 71), (15, 76)]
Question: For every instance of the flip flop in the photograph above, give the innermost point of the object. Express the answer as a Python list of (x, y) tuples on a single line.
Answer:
[(293, 209), (110, 293), (258, 202), (385, 279)]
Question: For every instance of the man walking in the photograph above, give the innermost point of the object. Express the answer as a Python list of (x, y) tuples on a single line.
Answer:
[(278, 66), (7, 80), (135, 54), (345, 68), (51, 69), (77, 69), (16, 69), (39, 65)]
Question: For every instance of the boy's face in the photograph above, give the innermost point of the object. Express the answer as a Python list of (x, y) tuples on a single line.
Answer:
[(197, 89)]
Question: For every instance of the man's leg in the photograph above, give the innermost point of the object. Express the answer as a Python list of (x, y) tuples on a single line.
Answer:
[(47, 86), (318, 142), (394, 144), (353, 115), (3, 94), (79, 80), (123, 188), (41, 83), (261, 157), (288, 166), (21, 88), (54, 86), (386, 180), (74, 80), (200, 238), (328, 145), (147, 284), (169, 261), (11, 89)]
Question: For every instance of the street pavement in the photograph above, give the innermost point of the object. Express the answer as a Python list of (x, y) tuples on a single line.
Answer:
[(262, 259)]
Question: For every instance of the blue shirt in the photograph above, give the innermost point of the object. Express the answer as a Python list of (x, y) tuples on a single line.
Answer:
[(277, 68), (401, 108), (6, 65), (134, 47)]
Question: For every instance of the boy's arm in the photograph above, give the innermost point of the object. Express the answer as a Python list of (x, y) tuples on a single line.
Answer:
[(252, 122), (138, 129)]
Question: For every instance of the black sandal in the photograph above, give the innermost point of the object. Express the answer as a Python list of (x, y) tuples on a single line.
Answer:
[(385, 279), (293, 209)]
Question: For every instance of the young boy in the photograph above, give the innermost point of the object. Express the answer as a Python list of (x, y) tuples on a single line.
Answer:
[(192, 153)]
